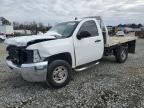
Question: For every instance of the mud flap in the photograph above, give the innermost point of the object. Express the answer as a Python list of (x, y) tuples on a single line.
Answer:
[(131, 46)]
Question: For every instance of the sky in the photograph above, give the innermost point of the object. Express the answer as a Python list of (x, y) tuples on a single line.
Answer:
[(53, 11)]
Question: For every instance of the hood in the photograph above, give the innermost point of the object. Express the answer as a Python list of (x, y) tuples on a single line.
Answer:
[(26, 40)]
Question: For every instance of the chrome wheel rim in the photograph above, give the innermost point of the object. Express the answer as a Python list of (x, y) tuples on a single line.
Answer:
[(123, 55), (60, 74)]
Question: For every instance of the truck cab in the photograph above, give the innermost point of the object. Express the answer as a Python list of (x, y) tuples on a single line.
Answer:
[(51, 57)]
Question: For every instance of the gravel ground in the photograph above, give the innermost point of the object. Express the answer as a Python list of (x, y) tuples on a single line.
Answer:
[(107, 85)]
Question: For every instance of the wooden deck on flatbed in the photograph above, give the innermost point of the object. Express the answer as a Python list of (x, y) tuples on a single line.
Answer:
[(116, 40)]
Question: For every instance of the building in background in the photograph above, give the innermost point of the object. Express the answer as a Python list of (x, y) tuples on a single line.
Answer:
[(6, 27)]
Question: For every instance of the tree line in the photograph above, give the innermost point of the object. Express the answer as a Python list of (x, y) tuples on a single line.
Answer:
[(5, 21), (131, 25), (34, 27)]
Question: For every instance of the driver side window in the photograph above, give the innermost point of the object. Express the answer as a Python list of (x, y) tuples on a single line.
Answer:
[(90, 27)]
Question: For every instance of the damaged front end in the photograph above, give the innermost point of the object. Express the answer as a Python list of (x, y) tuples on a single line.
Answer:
[(28, 62), (19, 55)]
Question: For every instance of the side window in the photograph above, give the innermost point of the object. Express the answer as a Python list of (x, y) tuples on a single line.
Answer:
[(90, 27)]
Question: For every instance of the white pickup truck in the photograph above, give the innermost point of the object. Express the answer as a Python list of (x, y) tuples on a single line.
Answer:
[(68, 46)]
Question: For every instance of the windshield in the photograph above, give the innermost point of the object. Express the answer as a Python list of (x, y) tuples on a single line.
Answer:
[(64, 29)]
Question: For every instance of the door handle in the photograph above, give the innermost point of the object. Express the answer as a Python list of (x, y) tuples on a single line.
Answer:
[(97, 40)]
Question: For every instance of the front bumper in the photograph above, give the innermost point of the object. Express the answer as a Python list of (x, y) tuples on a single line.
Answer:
[(35, 72)]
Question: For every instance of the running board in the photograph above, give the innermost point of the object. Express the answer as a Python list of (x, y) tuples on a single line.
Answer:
[(86, 66)]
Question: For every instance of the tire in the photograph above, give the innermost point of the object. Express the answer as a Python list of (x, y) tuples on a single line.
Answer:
[(121, 54), (58, 73)]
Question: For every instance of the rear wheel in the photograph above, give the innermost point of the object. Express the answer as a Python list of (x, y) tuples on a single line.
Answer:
[(58, 74), (121, 54)]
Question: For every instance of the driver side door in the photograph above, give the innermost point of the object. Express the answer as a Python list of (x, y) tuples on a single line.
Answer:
[(88, 48)]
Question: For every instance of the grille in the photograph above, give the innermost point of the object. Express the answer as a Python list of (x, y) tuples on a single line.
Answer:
[(19, 55)]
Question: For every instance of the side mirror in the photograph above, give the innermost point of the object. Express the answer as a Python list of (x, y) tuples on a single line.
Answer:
[(83, 34), (79, 37)]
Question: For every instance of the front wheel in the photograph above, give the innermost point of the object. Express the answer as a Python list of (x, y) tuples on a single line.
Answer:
[(59, 73), (121, 54)]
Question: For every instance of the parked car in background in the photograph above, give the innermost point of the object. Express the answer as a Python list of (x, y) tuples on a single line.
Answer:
[(2, 37), (120, 33)]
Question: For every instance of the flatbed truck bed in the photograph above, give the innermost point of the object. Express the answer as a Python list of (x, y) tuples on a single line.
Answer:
[(117, 40)]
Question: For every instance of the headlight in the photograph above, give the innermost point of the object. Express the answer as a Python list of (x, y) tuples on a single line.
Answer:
[(36, 56)]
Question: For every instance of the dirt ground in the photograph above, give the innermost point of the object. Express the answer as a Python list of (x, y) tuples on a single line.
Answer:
[(107, 85)]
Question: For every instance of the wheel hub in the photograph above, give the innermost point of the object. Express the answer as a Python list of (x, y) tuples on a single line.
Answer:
[(123, 55), (60, 74)]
